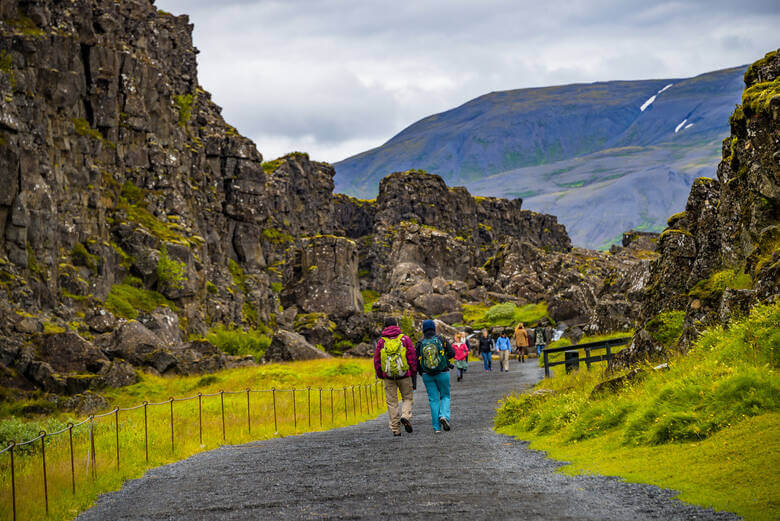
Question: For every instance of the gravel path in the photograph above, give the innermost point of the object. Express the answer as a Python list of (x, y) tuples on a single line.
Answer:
[(362, 472)]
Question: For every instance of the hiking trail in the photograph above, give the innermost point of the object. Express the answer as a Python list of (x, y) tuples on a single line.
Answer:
[(363, 472)]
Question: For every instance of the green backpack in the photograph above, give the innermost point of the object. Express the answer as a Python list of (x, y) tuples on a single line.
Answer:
[(432, 355), (393, 355)]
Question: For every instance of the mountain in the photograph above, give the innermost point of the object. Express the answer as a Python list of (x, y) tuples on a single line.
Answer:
[(603, 157)]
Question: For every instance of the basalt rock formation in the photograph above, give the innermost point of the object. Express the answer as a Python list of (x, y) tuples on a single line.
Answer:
[(134, 220), (720, 256)]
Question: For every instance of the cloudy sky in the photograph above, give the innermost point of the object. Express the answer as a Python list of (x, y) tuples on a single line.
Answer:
[(336, 77)]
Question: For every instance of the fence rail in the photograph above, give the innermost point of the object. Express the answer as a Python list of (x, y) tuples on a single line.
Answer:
[(365, 400), (587, 347)]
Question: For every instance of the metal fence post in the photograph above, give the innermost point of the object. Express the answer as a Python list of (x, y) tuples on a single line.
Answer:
[(200, 417), (295, 413), (72, 465), (546, 364), (172, 449), (354, 413), (248, 414), (346, 415), (116, 428), (273, 393), (331, 405), (92, 446), (13, 479), (320, 406), (308, 405), (222, 404), (360, 397), (42, 434)]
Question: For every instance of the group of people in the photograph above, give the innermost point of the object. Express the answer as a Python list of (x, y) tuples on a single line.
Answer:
[(398, 361)]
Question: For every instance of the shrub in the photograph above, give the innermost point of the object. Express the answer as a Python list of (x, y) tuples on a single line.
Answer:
[(171, 272), (183, 102), (239, 342), (666, 327)]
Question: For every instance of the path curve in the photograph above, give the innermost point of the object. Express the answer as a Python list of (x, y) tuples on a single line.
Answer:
[(362, 472)]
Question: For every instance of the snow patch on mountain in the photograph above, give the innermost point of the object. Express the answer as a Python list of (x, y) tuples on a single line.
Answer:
[(678, 127), (651, 99)]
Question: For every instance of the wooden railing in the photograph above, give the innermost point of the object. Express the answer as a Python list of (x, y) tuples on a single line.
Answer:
[(588, 347)]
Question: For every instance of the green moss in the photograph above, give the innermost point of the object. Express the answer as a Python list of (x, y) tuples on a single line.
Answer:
[(756, 99), (369, 297), (33, 265), (250, 313), (26, 26), (82, 128), (211, 288), (503, 315), (183, 103), (125, 300), (132, 193), (666, 327), (171, 272), (127, 259), (270, 166), (277, 287), (750, 73), (720, 281), (277, 236), (674, 218), (239, 280), (52, 328), (81, 257), (670, 231)]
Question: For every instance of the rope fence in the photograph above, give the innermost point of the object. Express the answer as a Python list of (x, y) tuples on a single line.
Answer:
[(103, 450)]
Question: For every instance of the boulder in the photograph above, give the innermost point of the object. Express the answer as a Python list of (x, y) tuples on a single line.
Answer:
[(435, 304), (361, 350), (287, 346), (70, 353), (421, 288), (164, 323), (453, 317), (118, 374), (133, 342), (102, 322)]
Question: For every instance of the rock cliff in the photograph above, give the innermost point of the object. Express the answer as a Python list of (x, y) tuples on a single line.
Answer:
[(720, 256), (134, 220)]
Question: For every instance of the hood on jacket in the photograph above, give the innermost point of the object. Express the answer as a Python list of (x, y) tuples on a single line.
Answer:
[(391, 331)]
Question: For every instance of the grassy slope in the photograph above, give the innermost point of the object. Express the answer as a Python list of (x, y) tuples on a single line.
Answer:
[(300, 375), (707, 427)]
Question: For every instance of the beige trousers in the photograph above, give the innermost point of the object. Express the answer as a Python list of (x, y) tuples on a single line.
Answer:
[(504, 357), (407, 400)]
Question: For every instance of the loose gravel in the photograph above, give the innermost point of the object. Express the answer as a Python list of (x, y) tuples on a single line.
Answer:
[(363, 472)]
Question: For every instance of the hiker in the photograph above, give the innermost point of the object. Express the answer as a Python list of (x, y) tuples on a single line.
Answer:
[(540, 338), (395, 362), (504, 348), (461, 354), (521, 342), (433, 360), (486, 350)]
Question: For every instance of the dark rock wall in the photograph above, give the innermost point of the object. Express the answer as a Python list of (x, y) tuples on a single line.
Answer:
[(720, 256)]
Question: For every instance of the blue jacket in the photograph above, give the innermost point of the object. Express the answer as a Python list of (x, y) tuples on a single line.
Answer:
[(503, 344)]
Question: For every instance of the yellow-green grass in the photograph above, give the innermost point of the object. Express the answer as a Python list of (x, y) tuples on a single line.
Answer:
[(505, 314), (562, 342), (307, 413), (369, 297), (708, 427)]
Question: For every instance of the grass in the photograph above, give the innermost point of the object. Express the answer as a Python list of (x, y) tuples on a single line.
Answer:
[(239, 342), (293, 417), (125, 299), (369, 297), (506, 314), (706, 427)]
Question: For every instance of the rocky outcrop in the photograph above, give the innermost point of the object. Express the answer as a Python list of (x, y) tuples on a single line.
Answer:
[(287, 346), (720, 255)]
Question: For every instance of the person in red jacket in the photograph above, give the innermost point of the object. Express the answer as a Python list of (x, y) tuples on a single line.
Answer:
[(395, 362)]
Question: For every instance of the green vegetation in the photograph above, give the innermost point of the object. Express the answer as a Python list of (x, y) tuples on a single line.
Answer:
[(756, 99), (81, 257), (270, 166), (277, 287), (239, 279), (171, 272), (666, 327), (82, 128), (720, 281), (239, 342), (125, 299), (277, 236), (131, 200), (750, 73), (183, 103), (26, 26), (369, 297), (320, 374), (674, 218), (707, 424), (505, 314)]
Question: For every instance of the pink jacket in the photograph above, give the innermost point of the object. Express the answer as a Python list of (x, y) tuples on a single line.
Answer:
[(411, 354), (461, 351)]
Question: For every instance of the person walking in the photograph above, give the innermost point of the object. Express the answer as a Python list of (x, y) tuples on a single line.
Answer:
[(395, 362), (521, 342), (540, 338), (433, 360), (461, 355), (504, 348), (486, 350)]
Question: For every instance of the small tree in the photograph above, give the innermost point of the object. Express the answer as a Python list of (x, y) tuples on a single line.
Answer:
[(170, 272)]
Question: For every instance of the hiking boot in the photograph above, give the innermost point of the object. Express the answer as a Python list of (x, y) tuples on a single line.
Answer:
[(445, 423), (436, 432), (396, 434), (407, 424)]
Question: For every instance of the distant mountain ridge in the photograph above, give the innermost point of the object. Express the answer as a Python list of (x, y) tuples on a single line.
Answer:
[(603, 157)]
